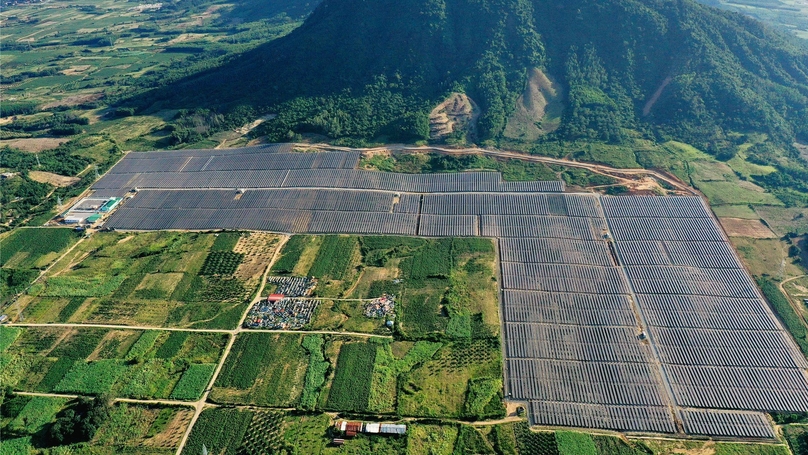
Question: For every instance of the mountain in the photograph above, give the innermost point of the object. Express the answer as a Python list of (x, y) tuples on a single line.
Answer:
[(654, 68)]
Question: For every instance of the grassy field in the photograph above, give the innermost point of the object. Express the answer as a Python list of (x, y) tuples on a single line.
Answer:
[(124, 363), (157, 279)]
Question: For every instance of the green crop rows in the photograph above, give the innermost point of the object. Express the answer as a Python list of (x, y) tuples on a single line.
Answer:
[(264, 434), (352, 379), (193, 382), (219, 430), (30, 245), (225, 241), (91, 378), (172, 345), (334, 257), (291, 255)]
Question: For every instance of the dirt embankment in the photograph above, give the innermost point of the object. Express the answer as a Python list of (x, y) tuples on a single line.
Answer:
[(538, 110), (458, 113), (737, 227), (53, 179)]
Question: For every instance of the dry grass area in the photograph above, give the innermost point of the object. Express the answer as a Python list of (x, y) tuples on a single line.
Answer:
[(258, 249), (538, 109), (53, 179), (34, 144), (738, 227), (171, 436), (74, 100)]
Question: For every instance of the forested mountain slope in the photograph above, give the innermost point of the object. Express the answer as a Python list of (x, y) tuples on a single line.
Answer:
[(657, 68)]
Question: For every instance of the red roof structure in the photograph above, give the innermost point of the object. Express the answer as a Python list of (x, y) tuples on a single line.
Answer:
[(275, 297)]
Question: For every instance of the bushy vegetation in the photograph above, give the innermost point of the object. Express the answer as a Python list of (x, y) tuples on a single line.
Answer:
[(785, 312), (352, 379), (484, 399), (316, 371), (221, 263), (79, 422), (264, 435)]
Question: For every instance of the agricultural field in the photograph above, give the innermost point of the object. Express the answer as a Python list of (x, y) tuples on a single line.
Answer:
[(24, 253), (124, 363), (160, 279), (263, 369), (27, 424), (445, 287)]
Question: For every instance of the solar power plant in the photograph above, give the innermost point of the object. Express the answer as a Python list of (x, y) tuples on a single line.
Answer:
[(627, 313)]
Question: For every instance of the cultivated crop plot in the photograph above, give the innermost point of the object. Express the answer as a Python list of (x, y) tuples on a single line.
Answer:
[(156, 279), (125, 363)]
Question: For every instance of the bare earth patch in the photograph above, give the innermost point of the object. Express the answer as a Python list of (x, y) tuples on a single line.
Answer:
[(33, 144), (457, 113), (53, 179), (538, 110), (737, 227), (76, 70)]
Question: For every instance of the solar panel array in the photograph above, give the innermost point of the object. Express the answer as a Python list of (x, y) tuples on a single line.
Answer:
[(624, 313), (718, 342)]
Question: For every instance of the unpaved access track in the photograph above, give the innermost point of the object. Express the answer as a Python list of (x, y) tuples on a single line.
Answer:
[(622, 175)]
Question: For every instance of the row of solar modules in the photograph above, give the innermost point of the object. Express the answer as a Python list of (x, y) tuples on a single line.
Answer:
[(653, 419), (275, 220), (741, 348), (318, 178), (655, 207), (577, 309), (292, 199), (687, 311), (556, 251), (562, 278), (742, 388), (627, 384), (162, 163), (573, 342), (711, 255), (727, 423), (265, 148), (577, 205), (691, 281)]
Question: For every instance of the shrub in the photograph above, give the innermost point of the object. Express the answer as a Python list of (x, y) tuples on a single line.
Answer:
[(481, 393), (221, 263)]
